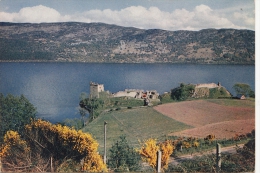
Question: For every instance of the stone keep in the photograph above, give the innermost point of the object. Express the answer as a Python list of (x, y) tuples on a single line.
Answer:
[(95, 89)]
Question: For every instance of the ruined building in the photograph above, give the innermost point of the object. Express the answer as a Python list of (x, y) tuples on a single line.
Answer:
[(203, 90), (95, 89), (138, 94)]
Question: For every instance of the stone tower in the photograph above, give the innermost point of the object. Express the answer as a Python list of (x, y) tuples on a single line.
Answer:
[(95, 89)]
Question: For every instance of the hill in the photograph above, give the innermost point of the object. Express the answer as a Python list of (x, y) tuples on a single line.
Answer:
[(137, 124), (98, 42)]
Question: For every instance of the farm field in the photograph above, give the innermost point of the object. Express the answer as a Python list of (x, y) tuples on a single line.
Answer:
[(223, 118), (136, 124)]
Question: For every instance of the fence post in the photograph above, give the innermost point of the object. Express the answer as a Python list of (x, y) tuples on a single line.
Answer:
[(159, 161), (51, 165), (0, 165), (218, 156), (105, 142)]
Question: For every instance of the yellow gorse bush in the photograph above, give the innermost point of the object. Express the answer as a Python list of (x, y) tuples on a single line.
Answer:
[(82, 142), (94, 163), (11, 139), (167, 148), (196, 144), (186, 144), (149, 150), (57, 135)]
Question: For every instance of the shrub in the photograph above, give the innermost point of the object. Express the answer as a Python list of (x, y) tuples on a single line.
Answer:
[(182, 92), (44, 141), (123, 157)]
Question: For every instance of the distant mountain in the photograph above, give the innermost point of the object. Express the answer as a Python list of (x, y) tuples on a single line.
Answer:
[(98, 42)]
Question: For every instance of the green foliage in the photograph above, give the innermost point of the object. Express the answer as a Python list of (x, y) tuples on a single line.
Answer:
[(198, 164), (15, 112), (166, 98), (242, 88), (74, 123), (183, 92), (123, 157), (218, 92), (252, 94), (92, 105)]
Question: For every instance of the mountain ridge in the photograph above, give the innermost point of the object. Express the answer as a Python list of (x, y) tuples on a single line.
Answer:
[(105, 43)]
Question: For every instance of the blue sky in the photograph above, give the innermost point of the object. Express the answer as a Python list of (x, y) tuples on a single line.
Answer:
[(145, 14)]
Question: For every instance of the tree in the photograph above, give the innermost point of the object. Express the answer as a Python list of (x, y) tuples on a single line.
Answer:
[(74, 123), (48, 147), (149, 151), (15, 112), (183, 91), (91, 105), (242, 88), (123, 157)]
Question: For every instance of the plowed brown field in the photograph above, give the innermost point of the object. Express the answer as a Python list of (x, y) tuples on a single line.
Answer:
[(210, 118)]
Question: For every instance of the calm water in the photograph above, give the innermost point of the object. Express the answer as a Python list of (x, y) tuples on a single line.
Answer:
[(54, 88)]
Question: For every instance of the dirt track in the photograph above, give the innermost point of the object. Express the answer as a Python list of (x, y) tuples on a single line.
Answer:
[(210, 118)]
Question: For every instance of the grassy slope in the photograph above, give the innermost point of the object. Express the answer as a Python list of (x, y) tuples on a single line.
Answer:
[(250, 102), (136, 124)]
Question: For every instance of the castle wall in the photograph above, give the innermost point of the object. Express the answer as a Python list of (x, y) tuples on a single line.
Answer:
[(139, 94), (207, 85), (125, 94)]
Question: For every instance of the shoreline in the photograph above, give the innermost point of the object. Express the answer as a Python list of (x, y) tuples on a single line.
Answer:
[(54, 61)]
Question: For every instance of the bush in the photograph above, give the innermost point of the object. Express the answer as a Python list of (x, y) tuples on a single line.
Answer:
[(182, 92), (218, 92), (123, 157), (117, 109)]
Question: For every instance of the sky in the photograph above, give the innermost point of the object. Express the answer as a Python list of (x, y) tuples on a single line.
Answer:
[(145, 14)]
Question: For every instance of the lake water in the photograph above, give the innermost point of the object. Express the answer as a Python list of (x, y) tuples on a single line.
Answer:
[(54, 88)]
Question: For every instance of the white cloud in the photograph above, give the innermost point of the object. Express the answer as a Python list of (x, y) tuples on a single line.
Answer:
[(244, 18), (200, 17), (36, 14)]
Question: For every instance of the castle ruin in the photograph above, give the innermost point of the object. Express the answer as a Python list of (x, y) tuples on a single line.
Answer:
[(95, 89), (138, 94), (203, 90), (208, 85)]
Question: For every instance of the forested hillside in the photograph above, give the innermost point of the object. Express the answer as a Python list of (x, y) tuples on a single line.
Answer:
[(98, 42)]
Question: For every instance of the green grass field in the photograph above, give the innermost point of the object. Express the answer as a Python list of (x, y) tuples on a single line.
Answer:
[(250, 102), (136, 124)]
